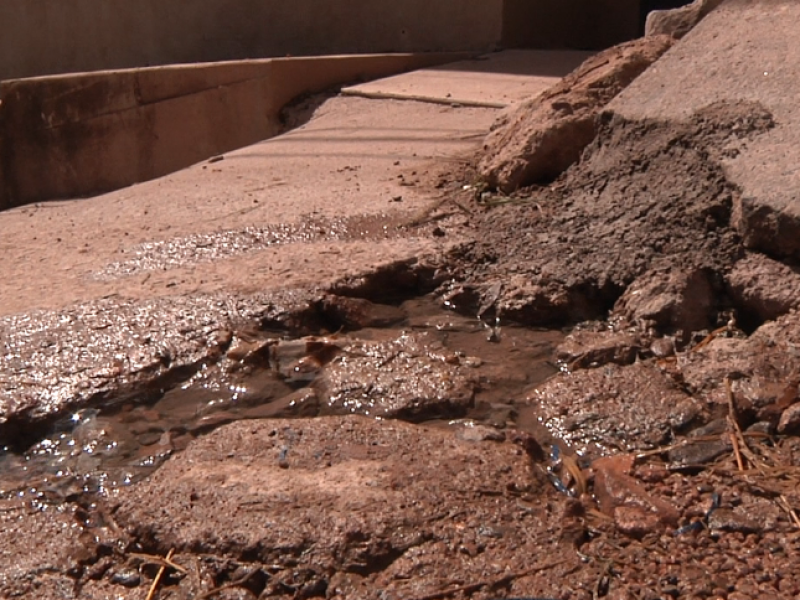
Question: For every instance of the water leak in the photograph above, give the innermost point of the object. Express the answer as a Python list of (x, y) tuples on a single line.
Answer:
[(434, 366), (207, 247)]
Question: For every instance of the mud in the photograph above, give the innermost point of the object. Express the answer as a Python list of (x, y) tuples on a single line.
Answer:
[(646, 196), (413, 361)]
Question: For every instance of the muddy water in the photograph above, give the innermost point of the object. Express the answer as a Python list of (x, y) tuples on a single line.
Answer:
[(263, 375)]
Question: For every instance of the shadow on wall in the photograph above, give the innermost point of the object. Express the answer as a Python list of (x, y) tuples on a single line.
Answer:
[(577, 24)]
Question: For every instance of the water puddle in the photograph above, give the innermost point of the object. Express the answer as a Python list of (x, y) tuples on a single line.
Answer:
[(432, 367), (208, 247)]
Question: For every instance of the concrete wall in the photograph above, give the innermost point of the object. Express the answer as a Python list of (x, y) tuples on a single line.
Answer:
[(78, 135), (577, 24), (42, 37)]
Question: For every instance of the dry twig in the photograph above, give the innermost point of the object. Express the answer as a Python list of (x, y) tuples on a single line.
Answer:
[(152, 559), (226, 586), (168, 562)]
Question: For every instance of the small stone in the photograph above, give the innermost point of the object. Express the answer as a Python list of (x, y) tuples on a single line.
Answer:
[(699, 452), (763, 287), (621, 496), (652, 473), (479, 433), (677, 301), (790, 419), (763, 427), (589, 349), (127, 577), (663, 347), (635, 521), (725, 519)]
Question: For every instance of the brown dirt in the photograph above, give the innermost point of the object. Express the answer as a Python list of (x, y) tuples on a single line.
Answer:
[(646, 196), (538, 139)]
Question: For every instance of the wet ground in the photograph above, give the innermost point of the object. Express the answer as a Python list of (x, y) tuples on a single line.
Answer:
[(423, 363), (422, 427)]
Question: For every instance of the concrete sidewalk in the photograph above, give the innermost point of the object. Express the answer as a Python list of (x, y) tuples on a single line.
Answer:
[(494, 80), (304, 208)]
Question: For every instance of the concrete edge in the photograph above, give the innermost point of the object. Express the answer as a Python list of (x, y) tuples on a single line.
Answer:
[(418, 98), (75, 135)]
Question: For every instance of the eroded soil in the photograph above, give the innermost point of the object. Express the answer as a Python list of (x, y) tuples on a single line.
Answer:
[(431, 455)]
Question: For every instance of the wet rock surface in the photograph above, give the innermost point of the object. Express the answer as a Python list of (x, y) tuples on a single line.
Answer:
[(373, 505), (586, 348), (614, 409), (401, 378)]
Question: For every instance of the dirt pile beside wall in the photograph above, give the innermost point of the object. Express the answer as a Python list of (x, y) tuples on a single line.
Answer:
[(649, 199), (538, 139)]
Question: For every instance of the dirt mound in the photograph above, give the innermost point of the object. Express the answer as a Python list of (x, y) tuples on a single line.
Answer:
[(647, 196), (541, 137)]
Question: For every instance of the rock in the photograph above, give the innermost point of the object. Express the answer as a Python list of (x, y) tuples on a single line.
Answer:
[(37, 549), (357, 313), (699, 452), (764, 370), (472, 432), (401, 378), (589, 349), (126, 577), (614, 408), (669, 301), (363, 501), (762, 288), (636, 521), (663, 347), (544, 135), (636, 512), (678, 21), (725, 519), (790, 419)]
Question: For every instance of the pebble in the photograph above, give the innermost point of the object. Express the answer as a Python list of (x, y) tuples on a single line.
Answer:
[(790, 419), (127, 577), (725, 519), (480, 433)]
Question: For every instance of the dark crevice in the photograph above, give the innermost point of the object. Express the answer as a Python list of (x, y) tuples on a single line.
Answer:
[(392, 283)]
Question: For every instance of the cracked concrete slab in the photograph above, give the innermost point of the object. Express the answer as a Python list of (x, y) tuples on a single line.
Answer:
[(756, 60)]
